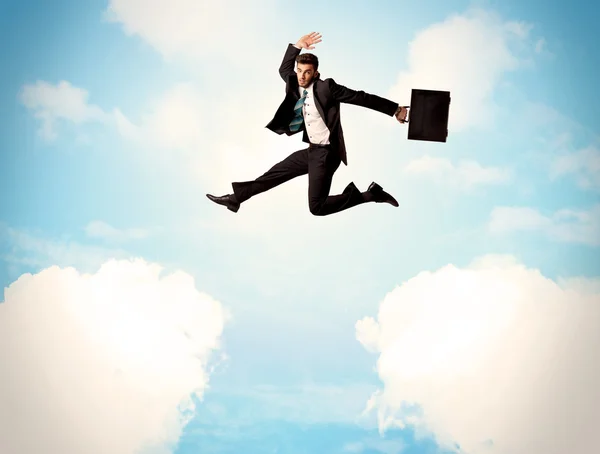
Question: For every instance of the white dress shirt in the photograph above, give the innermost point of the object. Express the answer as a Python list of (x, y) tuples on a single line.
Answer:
[(317, 130)]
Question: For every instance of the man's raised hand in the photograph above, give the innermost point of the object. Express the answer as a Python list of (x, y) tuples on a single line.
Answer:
[(308, 41)]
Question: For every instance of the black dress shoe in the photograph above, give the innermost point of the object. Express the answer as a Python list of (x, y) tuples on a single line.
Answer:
[(380, 196), (228, 200)]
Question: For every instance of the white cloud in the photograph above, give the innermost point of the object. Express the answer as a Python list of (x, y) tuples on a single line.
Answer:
[(62, 101), (378, 445), (576, 226), (172, 120), (467, 55), (565, 149), (583, 165), (465, 175), (33, 250), (553, 121), (520, 29), (540, 45), (495, 352), (103, 362), (192, 30), (508, 219), (100, 229)]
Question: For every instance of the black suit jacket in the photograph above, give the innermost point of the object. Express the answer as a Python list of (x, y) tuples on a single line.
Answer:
[(328, 96)]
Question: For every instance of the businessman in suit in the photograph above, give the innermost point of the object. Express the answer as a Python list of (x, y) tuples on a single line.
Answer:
[(312, 105)]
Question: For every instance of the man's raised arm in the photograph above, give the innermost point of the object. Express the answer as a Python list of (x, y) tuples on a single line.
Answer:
[(286, 68)]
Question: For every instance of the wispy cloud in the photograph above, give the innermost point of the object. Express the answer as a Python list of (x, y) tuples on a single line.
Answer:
[(105, 231), (567, 225), (29, 249), (565, 150), (582, 165), (62, 101), (172, 119), (466, 174), (378, 445), (192, 30)]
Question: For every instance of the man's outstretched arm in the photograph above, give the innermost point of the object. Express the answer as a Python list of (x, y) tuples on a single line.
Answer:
[(308, 41), (363, 99)]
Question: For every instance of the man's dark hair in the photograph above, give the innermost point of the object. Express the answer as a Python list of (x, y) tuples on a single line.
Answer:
[(308, 59)]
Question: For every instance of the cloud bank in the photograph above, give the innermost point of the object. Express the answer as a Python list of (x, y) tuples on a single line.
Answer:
[(105, 362), (494, 357)]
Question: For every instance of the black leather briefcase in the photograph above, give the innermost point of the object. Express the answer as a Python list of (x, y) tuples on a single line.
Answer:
[(428, 115)]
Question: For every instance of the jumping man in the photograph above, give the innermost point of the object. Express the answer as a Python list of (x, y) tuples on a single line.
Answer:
[(312, 105)]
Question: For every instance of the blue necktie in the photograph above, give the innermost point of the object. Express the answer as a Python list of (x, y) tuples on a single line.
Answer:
[(298, 119)]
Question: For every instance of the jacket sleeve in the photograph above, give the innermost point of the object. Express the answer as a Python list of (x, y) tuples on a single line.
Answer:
[(286, 68), (359, 98)]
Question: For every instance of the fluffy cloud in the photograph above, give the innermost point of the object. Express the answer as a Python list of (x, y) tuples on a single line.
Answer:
[(465, 175), (62, 101), (492, 356), (30, 249), (192, 30), (172, 120), (583, 165), (576, 226), (103, 362), (467, 55)]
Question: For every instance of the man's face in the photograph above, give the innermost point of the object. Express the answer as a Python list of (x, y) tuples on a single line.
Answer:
[(305, 73)]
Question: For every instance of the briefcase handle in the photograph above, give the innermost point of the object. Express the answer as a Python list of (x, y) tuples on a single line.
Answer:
[(407, 114)]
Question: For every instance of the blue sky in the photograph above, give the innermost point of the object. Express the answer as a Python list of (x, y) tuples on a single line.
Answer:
[(117, 117)]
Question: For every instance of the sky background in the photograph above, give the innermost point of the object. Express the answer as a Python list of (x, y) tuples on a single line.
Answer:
[(139, 317)]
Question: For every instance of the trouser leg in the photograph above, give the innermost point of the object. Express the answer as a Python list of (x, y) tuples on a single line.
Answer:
[(293, 166), (322, 164)]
